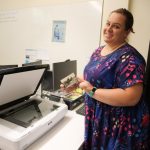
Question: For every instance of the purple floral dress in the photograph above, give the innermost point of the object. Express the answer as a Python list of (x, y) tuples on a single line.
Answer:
[(115, 128)]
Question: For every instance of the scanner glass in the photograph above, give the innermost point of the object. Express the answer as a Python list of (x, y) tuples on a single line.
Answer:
[(29, 113)]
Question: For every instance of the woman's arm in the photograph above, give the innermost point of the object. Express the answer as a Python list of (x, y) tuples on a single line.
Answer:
[(116, 97)]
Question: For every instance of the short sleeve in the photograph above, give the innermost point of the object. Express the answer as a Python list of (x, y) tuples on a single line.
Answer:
[(96, 53), (131, 70)]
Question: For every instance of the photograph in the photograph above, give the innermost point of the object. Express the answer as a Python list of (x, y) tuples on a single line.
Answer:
[(69, 80), (58, 31)]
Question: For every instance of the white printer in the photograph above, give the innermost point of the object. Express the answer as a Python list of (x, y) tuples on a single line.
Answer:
[(24, 117)]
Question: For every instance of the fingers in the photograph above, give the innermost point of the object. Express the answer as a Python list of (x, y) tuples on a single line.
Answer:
[(82, 85), (67, 89), (80, 79), (62, 86), (86, 86)]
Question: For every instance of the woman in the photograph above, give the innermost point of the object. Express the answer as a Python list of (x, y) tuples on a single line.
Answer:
[(116, 116)]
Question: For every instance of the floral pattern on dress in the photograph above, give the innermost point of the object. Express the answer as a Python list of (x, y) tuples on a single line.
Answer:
[(109, 127)]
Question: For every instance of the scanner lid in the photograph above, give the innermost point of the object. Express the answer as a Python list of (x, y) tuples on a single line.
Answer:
[(18, 84)]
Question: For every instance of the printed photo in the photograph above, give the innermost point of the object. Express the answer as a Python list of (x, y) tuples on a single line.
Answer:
[(58, 31), (70, 80)]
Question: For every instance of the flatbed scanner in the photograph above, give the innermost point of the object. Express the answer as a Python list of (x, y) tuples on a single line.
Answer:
[(24, 116)]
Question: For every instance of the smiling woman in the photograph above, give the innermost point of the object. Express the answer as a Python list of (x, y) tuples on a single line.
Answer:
[(116, 30), (116, 115)]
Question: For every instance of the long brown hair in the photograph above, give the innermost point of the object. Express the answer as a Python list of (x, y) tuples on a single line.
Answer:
[(129, 18)]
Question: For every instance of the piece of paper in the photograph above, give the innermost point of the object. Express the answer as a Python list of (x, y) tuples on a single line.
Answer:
[(69, 80), (32, 55)]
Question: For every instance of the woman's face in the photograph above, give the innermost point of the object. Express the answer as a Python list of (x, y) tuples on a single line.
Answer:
[(114, 31)]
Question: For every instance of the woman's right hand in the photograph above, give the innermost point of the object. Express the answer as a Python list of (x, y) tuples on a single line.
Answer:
[(73, 87), (86, 86)]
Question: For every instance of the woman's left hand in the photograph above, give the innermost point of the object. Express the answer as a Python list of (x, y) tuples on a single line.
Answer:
[(86, 86)]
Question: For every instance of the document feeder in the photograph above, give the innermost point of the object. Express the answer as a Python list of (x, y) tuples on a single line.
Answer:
[(24, 117)]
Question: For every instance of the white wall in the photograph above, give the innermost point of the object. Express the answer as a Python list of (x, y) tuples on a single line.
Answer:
[(32, 29), (140, 39), (19, 4)]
